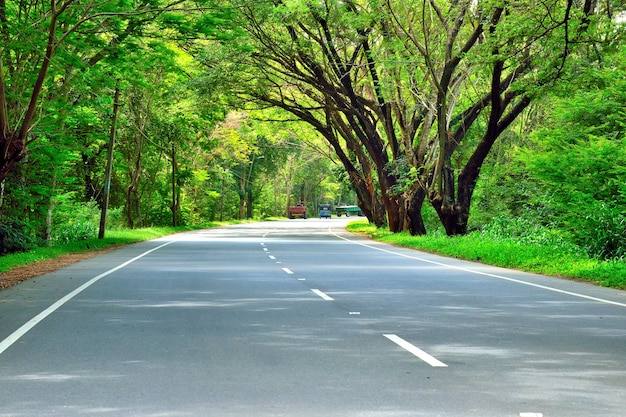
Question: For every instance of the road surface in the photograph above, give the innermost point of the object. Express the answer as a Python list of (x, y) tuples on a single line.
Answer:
[(299, 318)]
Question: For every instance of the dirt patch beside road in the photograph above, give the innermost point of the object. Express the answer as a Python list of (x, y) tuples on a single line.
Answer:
[(22, 273)]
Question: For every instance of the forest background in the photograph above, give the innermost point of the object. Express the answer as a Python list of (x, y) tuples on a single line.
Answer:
[(491, 121)]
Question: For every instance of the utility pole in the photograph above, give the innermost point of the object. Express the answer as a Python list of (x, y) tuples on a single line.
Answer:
[(174, 193), (109, 169)]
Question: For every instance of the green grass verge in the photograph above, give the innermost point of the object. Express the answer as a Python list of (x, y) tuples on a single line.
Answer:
[(509, 254), (474, 247), (112, 238)]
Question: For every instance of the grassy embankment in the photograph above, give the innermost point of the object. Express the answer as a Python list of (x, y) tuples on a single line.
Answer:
[(112, 238), (541, 259)]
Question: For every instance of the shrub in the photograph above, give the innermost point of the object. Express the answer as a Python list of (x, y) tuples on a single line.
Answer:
[(74, 232), (603, 231), (525, 230), (15, 236), (74, 222)]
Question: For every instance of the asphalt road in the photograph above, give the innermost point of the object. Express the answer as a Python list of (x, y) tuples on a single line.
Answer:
[(299, 318)]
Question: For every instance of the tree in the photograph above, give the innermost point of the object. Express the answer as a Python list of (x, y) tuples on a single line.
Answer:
[(60, 37), (296, 160), (482, 66), (418, 91), (299, 69), (63, 58), (237, 150)]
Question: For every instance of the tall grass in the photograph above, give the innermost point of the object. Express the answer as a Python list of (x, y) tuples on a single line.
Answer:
[(543, 254)]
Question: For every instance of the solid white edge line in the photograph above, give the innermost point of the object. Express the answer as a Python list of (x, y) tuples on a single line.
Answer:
[(518, 281), (323, 295), (415, 351), (16, 335)]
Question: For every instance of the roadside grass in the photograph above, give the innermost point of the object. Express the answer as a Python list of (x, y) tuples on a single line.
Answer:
[(529, 257), (114, 237), (541, 259)]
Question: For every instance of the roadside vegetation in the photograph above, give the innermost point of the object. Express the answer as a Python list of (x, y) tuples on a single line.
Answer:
[(112, 239), (538, 254)]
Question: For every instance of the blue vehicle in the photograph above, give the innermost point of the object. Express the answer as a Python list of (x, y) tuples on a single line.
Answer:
[(326, 211)]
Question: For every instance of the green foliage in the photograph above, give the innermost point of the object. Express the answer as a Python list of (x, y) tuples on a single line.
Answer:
[(578, 160), (405, 175), (15, 236), (527, 231), (75, 222), (75, 232), (602, 229)]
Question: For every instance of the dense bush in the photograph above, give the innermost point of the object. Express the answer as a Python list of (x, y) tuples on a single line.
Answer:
[(15, 236), (603, 231), (562, 183), (528, 231), (75, 221), (74, 232)]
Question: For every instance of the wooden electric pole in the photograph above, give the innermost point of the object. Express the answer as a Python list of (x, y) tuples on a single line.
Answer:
[(109, 169)]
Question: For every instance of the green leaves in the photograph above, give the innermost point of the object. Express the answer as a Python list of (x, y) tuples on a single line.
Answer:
[(579, 157)]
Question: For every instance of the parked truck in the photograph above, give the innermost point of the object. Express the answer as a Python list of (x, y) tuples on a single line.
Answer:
[(297, 211), (348, 211)]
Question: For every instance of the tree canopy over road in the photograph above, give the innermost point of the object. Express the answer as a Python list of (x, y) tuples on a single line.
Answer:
[(417, 92), (420, 112)]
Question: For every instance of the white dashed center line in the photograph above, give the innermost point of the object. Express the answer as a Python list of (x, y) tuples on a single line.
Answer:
[(415, 350), (323, 295)]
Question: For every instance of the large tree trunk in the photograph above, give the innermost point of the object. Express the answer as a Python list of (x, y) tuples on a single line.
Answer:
[(394, 206), (130, 218), (453, 212), (133, 206), (372, 208), (453, 217), (368, 199), (12, 149), (413, 208)]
